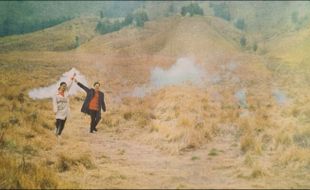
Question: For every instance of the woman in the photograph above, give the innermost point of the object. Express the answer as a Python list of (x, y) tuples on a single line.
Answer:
[(61, 106), (93, 104)]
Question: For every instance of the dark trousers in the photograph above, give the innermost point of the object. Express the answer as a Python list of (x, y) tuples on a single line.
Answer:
[(95, 118), (60, 125)]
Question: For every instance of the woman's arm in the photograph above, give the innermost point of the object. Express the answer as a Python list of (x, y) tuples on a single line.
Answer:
[(71, 82)]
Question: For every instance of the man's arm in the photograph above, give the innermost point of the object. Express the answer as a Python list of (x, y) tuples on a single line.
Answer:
[(103, 103), (82, 86)]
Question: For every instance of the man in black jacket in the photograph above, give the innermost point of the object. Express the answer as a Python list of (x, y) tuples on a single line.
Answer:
[(93, 104)]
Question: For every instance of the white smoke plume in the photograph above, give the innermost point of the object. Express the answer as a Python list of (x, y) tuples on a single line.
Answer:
[(49, 91), (279, 96), (240, 95), (183, 71)]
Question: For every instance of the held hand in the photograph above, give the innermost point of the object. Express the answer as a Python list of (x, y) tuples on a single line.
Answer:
[(73, 77)]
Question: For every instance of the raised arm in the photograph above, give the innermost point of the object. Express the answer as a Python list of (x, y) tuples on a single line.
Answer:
[(71, 82), (82, 86)]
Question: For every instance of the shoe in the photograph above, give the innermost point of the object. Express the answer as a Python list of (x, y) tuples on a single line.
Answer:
[(91, 131), (95, 129)]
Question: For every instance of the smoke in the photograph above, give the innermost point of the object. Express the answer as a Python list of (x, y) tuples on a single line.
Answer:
[(49, 91), (279, 96), (141, 91), (184, 71), (240, 95)]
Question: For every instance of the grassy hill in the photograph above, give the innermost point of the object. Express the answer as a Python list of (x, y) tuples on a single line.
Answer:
[(171, 36), (58, 38)]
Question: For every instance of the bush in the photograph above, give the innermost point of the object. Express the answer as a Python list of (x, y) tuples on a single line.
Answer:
[(192, 9), (255, 46), (107, 27), (243, 41), (240, 24), (294, 17), (139, 18), (68, 162), (128, 19)]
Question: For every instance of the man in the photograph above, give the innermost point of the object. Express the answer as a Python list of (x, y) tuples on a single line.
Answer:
[(93, 104)]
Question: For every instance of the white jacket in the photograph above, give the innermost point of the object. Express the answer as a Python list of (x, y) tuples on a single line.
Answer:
[(61, 104)]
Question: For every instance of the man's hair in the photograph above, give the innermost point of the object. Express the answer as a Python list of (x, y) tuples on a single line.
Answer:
[(96, 83)]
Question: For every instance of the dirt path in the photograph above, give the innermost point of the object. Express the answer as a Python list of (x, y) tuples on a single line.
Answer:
[(121, 163)]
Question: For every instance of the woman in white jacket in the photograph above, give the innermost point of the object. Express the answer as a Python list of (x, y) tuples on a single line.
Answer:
[(61, 106)]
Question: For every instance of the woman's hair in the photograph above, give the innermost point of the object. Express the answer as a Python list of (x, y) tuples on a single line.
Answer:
[(96, 83), (61, 84)]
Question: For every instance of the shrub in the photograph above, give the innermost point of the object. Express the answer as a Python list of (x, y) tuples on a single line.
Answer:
[(192, 9), (140, 18), (213, 152), (128, 115), (107, 27), (128, 19), (243, 41), (294, 17), (255, 46), (240, 24), (68, 162)]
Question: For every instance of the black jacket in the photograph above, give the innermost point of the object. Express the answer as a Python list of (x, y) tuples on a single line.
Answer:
[(89, 96)]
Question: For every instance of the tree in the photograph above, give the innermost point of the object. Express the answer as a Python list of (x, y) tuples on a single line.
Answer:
[(294, 17), (240, 24), (77, 41), (128, 19), (171, 8), (255, 46), (140, 18), (243, 41), (101, 14), (192, 9), (6, 27)]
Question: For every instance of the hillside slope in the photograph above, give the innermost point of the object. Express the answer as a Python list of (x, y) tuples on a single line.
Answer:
[(173, 36), (57, 38)]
